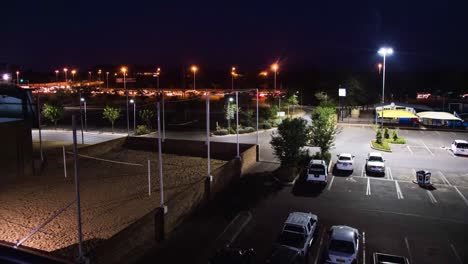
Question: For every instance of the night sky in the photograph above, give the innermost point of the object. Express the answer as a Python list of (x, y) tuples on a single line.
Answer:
[(44, 35)]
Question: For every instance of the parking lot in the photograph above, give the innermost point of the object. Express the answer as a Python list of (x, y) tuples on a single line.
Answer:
[(393, 214)]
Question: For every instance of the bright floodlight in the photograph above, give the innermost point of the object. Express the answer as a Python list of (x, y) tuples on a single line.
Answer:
[(385, 51), (231, 99), (132, 101), (194, 68), (5, 77), (82, 99)]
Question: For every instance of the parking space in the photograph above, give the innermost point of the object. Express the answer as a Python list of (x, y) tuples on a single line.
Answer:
[(402, 174), (431, 251)]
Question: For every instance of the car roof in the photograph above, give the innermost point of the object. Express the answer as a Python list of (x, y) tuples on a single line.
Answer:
[(375, 154), (346, 155), (300, 218), (460, 141), (342, 232), (315, 161)]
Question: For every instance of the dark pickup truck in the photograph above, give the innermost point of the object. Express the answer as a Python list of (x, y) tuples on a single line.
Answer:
[(380, 258)]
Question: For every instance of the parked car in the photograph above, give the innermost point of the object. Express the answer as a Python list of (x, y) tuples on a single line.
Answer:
[(298, 232), (345, 162), (375, 163), (232, 255), (460, 147), (317, 171), (380, 258), (285, 255), (343, 245)]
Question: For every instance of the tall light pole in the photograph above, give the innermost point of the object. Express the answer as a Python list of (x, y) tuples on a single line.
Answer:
[(83, 100), (107, 79), (229, 112), (233, 74), (17, 77), (73, 72), (124, 72), (158, 72), (384, 52), (274, 68), (90, 76), (56, 75), (132, 101), (65, 70), (99, 74), (237, 123), (194, 70)]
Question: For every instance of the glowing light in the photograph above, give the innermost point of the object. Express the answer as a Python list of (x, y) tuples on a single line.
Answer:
[(275, 67), (264, 73), (65, 69), (123, 69), (5, 77), (82, 99), (73, 72), (132, 101), (194, 68), (385, 51)]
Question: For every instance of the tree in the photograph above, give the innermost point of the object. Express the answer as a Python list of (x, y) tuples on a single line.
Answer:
[(292, 101), (112, 114), (378, 136), (324, 99), (323, 128), (53, 113), (248, 117), (355, 92), (229, 112), (147, 115), (386, 133), (288, 141)]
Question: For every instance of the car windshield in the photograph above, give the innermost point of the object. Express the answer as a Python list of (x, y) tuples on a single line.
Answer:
[(293, 228), (344, 158), (462, 145), (341, 246), (316, 169), (375, 158), (291, 239)]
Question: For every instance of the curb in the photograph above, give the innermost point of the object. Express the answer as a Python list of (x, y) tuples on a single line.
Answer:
[(372, 147), (252, 133)]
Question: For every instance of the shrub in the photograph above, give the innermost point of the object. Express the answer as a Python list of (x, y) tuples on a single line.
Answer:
[(231, 130), (381, 146), (386, 134), (246, 130), (141, 130), (378, 137), (395, 135), (264, 125), (221, 132)]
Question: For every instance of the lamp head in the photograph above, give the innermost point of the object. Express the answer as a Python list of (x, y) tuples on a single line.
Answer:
[(82, 99), (132, 101), (385, 51)]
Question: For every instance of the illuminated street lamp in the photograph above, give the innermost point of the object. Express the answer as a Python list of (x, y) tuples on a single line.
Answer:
[(124, 72), (380, 67), (85, 116), (56, 75), (73, 72), (194, 70), (157, 73), (65, 70), (17, 77), (274, 68), (90, 76), (99, 74), (229, 112), (384, 52), (107, 79), (132, 101), (233, 74)]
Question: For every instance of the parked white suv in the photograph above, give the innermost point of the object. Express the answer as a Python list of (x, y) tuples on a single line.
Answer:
[(343, 245), (317, 171), (299, 232), (345, 162), (375, 163), (460, 147)]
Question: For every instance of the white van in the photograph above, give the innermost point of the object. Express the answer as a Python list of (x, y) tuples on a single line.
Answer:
[(460, 147), (317, 171)]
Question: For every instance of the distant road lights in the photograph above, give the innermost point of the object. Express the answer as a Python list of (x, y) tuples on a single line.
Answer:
[(274, 68), (73, 72), (99, 74), (56, 75), (83, 100), (263, 73), (65, 70), (107, 79), (233, 74), (380, 67), (194, 70), (17, 77), (134, 115), (6, 77), (124, 73)]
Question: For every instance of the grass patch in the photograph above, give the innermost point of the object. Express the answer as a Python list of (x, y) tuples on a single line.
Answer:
[(399, 140), (384, 146)]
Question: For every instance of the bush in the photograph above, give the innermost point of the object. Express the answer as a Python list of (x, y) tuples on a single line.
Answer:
[(378, 137), (394, 135), (221, 132), (264, 125), (397, 141), (326, 157), (246, 130), (141, 130), (231, 130), (386, 133)]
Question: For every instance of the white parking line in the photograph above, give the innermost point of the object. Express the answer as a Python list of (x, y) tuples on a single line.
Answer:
[(422, 132), (331, 183), (456, 254), (409, 149), (317, 256), (368, 191), (398, 191), (453, 133), (437, 132), (390, 176), (363, 171), (431, 196), (363, 247), (444, 178), (409, 250), (461, 195), (427, 148)]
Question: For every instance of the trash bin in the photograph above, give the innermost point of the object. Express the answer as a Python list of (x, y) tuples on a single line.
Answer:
[(423, 177)]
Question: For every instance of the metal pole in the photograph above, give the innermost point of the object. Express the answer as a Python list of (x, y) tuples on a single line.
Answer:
[(149, 178), (85, 117), (194, 72), (229, 114), (208, 137), (39, 125), (107, 79), (134, 117), (160, 159), (163, 119), (77, 191), (64, 162), (126, 93), (232, 81), (256, 91), (237, 122), (383, 92), (81, 120)]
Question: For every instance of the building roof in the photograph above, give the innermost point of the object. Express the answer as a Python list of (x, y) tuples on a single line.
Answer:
[(397, 114), (414, 106), (438, 115)]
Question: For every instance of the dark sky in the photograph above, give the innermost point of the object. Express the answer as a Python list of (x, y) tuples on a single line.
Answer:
[(330, 34)]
